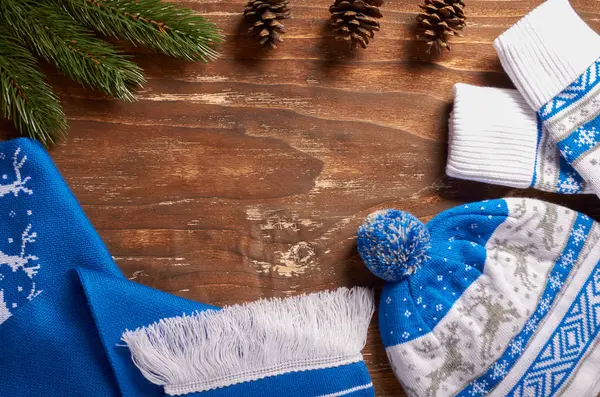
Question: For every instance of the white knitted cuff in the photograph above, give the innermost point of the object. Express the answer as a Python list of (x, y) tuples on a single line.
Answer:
[(547, 50), (493, 137)]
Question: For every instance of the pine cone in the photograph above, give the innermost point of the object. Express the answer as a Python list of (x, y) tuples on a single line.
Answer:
[(355, 21), (264, 16), (440, 20)]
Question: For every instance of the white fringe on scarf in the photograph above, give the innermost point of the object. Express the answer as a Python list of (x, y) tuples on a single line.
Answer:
[(241, 343)]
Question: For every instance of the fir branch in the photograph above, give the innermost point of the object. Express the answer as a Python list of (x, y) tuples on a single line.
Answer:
[(52, 30), (57, 38), (25, 98), (162, 27)]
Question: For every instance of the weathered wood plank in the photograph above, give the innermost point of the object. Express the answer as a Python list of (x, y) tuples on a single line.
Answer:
[(247, 177)]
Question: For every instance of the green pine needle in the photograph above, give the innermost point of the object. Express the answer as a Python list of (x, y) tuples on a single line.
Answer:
[(162, 27), (25, 98), (55, 30), (75, 52)]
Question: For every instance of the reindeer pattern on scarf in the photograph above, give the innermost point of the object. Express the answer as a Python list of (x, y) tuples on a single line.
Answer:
[(18, 267)]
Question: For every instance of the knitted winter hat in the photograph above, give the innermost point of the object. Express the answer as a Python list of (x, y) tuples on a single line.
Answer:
[(495, 137), (496, 298)]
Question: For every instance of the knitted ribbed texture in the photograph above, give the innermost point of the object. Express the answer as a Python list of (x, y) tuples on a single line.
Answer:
[(493, 137), (553, 58), (547, 50)]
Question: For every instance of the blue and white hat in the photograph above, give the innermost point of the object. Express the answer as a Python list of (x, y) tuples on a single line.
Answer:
[(496, 298)]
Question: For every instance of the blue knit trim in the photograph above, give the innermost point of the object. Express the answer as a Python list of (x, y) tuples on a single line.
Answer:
[(351, 391), (573, 93), (569, 180), (540, 128), (414, 306), (560, 271), (584, 138), (351, 380), (566, 346)]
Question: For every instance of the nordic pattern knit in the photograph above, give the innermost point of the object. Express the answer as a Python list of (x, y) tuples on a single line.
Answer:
[(495, 137), (560, 80), (55, 271), (507, 305), (43, 232)]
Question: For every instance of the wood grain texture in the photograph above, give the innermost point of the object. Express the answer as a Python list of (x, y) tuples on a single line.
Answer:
[(247, 177)]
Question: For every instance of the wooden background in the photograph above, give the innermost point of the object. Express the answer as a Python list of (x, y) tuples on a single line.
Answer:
[(247, 177)]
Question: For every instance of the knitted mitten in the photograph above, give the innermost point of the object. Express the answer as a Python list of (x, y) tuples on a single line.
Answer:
[(552, 57), (496, 138)]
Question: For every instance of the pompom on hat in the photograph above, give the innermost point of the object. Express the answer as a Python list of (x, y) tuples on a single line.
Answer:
[(393, 244), (496, 298)]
